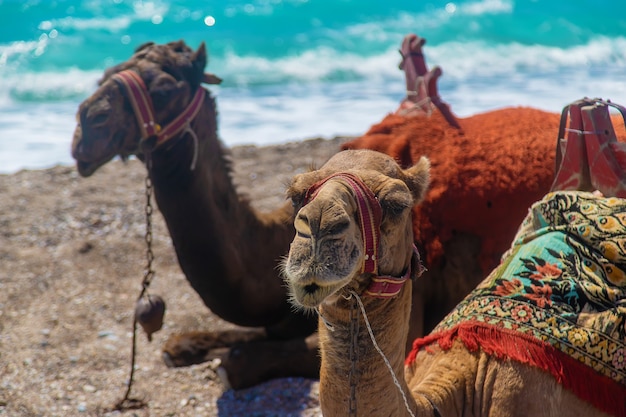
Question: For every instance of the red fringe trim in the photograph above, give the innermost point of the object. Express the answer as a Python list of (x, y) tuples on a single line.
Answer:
[(601, 391)]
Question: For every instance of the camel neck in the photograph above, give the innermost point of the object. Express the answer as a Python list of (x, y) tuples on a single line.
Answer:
[(353, 373), (215, 232)]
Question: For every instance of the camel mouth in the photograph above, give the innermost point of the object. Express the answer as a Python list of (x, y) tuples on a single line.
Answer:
[(311, 288), (88, 168), (85, 169), (313, 281), (313, 294), (89, 161)]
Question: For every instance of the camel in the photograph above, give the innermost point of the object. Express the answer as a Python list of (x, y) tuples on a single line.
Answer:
[(354, 262), (227, 250)]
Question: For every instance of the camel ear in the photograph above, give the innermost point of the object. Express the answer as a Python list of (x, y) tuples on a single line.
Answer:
[(143, 46), (209, 78), (199, 58), (418, 178), (198, 62)]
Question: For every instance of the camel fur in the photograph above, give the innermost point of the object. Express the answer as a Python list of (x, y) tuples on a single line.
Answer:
[(324, 271)]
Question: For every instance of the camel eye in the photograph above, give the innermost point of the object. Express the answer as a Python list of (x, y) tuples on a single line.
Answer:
[(296, 203), (337, 228), (297, 200), (163, 90), (163, 93), (98, 114), (393, 207), (98, 119)]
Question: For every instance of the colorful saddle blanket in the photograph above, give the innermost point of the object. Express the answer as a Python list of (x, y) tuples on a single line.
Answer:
[(557, 300)]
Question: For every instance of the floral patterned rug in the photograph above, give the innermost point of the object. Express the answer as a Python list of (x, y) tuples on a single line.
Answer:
[(557, 300)]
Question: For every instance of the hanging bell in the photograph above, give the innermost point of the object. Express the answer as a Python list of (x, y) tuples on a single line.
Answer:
[(149, 313)]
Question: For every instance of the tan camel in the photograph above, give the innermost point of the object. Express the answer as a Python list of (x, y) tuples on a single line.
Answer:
[(355, 208)]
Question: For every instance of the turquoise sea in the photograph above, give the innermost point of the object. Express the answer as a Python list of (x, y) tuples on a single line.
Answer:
[(295, 69)]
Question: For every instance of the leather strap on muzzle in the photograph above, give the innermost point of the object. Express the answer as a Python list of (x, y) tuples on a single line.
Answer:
[(370, 217)]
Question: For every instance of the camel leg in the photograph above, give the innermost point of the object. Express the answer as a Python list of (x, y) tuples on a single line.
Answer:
[(250, 356), (196, 347), (291, 348), (250, 364), (247, 357)]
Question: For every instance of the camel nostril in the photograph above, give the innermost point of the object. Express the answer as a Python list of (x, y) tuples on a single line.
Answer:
[(311, 288), (303, 228), (302, 218)]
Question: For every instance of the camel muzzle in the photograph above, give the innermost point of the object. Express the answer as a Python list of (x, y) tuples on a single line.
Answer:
[(370, 217)]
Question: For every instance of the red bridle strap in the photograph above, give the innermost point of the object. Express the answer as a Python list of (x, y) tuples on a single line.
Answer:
[(144, 109), (370, 216), (387, 287)]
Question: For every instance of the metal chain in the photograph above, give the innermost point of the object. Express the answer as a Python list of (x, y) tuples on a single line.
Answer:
[(127, 402), (149, 272), (354, 355)]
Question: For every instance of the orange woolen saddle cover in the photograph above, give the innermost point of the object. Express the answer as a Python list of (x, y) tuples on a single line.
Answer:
[(484, 176)]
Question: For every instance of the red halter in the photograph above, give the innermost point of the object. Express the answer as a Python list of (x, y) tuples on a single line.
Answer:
[(144, 110), (370, 216)]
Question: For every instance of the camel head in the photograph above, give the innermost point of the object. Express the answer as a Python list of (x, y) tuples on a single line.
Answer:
[(353, 223), (107, 124)]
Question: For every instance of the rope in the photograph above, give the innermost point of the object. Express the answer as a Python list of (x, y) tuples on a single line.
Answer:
[(326, 322), (583, 132), (194, 160), (381, 353)]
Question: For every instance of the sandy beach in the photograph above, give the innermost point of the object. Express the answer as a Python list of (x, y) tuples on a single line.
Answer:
[(72, 256)]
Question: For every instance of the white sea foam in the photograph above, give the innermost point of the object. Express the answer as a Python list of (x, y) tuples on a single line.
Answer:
[(36, 136), (301, 112), (321, 92), (15, 50), (141, 11), (113, 24), (486, 7), (461, 62)]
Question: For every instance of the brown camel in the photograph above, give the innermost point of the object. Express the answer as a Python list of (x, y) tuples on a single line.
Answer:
[(228, 251), (350, 260)]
